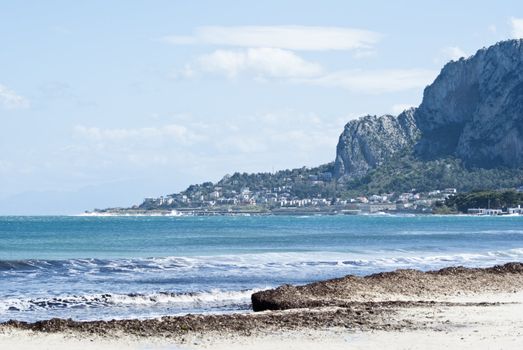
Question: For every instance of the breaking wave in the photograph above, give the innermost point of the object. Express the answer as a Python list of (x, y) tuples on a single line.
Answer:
[(212, 299), (386, 259)]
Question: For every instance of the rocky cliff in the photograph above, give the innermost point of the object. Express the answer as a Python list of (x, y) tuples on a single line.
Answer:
[(367, 142), (472, 111)]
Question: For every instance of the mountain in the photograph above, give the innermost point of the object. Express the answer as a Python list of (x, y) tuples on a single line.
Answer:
[(466, 134), (472, 112), (367, 142), (474, 109)]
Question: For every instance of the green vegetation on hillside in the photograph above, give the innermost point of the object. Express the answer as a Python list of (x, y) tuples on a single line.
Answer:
[(301, 182), (238, 189), (485, 199), (399, 175), (406, 172)]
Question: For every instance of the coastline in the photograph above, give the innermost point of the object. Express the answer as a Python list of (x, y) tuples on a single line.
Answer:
[(192, 212), (288, 213), (474, 307)]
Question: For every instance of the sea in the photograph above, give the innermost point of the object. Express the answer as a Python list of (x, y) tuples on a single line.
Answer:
[(103, 268)]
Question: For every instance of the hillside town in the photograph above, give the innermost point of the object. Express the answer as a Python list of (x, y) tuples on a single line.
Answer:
[(305, 191), (213, 200), (278, 199)]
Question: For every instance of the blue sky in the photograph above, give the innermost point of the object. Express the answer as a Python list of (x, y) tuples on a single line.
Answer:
[(104, 103)]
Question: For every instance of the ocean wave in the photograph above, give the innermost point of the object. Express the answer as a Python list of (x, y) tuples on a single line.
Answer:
[(207, 300), (109, 288), (243, 263)]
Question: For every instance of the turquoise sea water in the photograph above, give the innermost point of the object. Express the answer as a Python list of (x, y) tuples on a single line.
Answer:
[(125, 267)]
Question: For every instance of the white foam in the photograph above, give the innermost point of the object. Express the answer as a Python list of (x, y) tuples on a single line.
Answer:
[(267, 264), (213, 298)]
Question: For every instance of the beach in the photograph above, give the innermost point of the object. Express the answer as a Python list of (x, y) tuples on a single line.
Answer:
[(449, 308)]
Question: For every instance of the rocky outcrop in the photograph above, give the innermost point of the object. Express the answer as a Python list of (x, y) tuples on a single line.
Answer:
[(473, 111), (367, 142)]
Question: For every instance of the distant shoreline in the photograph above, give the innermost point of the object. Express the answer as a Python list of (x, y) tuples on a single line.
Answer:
[(197, 212)]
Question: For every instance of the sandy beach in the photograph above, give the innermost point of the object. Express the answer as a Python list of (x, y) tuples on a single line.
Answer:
[(497, 326), (483, 311)]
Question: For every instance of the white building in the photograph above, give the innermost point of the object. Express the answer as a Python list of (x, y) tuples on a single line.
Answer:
[(518, 210), (483, 211), (376, 208)]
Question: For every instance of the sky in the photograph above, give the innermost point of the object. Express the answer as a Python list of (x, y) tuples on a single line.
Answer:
[(103, 103)]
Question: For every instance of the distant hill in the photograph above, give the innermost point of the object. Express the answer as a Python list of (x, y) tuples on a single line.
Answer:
[(473, 112)]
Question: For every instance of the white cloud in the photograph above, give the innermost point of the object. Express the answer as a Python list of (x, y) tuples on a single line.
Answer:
[(256, 142), (452, 53), (11, 100), (375, 81), (283, 37), (286, 66), (365, 53), (261, 62), (267, 55), (400, 107), (178, 133), (449, 53), (517, 27), (5, 166)]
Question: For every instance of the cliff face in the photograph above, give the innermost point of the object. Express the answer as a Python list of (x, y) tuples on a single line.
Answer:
[(472, 111), (367, 142)]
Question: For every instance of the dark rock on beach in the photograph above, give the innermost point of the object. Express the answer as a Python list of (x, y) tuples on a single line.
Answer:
[(359, 316), (386, 286)]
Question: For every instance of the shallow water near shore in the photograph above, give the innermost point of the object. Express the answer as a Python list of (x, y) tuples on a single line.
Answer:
[(89, 268)]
